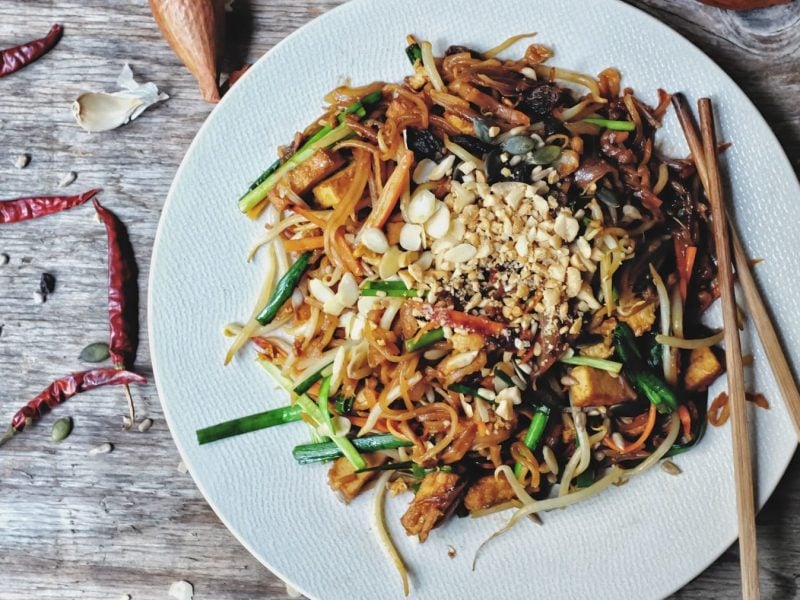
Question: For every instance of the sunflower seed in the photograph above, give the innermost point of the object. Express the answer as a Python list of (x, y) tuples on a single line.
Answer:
[(671, 468), (67, 179), (4, 259), (182, 590), (38, 298), (103, 448), (145, 425), (61, 429), (22, 160)]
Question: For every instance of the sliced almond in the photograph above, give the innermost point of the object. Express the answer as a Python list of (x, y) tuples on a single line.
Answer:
[(374, 239), (421, 207), (320, 291), (438, 224), (461, 253), (411, 236), (347, 293), (390, 263)]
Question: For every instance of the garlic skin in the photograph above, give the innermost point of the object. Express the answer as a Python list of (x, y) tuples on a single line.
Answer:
[(103, 111)]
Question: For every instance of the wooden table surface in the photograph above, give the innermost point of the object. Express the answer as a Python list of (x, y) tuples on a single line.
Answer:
[(129, 522)]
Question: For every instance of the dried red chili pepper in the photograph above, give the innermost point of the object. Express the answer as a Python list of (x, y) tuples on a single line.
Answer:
[(23, 209), (14, 59), (123, 295), (64, 388)]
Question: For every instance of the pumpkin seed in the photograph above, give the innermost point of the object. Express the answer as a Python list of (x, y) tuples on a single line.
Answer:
[(482, 130), (546, 155), (94, 353), (608, 197), (518, 145), (61, 429)]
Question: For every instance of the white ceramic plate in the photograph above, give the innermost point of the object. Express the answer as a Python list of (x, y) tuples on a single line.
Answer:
[(643, 540)]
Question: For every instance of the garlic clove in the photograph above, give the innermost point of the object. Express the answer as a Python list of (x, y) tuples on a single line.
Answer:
[(98, 111), (102, 111)]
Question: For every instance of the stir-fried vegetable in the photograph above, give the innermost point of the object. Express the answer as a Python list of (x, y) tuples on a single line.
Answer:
[(263, 420), (284, 288), (641, 377), (426, 339), (310, 453), (613, 125), (535, 432)]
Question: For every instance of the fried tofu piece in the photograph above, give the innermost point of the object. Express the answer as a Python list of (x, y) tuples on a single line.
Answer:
[(437, 494), (704, 368), (488, 491), (330, 192), (467, 342), (642, 320), (598, 388), (305, 176), (343, 478)]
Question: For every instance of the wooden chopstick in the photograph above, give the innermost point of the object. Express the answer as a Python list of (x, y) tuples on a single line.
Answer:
[(758, 310), (742, 459)]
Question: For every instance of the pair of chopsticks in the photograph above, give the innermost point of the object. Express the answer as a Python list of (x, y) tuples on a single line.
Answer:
[(705, 155)]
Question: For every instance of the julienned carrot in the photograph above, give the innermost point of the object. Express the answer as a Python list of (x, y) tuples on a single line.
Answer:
[(455, 318), (685, 257), (648, 430), (394, 188), (686, 422), (311, 215), (343, 248), (303, 244)]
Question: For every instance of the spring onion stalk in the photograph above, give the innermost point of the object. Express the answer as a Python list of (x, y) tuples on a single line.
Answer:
[(284, 289), (392, 466), (535, 432), (263, 420), (307, 383), (386, 284), (611, 366), (460, 388), (641, 377), (426, 339), (311, 453), (324, 392), (255, 196), (358, 108), (389, 293), (414, 53), (341, 445), (613, 125), (276, 374)]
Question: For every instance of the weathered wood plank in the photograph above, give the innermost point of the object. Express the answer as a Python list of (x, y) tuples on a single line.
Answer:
[(72, 525)]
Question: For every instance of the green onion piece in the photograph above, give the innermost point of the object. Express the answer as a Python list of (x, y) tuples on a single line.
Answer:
[(585, 479), (609, 124), (418, 471), (270, 418), (386, 285), (389, 293), (460, 388), (263, 177), (342, 446), (359, 108), (311, 453), (324, 392), (596, 363), (255, 196), (305, 385), (284, 382), (504, 377), (343, 404), (391, 466), (284, 289), (535, 432), (426, 339), (414, 53)]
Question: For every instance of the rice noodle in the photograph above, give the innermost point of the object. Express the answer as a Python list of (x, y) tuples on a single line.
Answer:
[(383, 532), (587, 81), (519, 490)]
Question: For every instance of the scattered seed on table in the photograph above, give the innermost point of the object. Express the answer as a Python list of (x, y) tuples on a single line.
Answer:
[(125, 597), (126, 423), (22, 160), (38, 298), (292, 592), (451, 552), (145, 425), (94, 353), (67, 179), (61, 429), (47, 284), (671, 468), (4, 259), (182, 590), (182, 468), (103, 448)]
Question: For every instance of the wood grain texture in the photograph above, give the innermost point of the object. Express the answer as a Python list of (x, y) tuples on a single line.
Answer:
[(128, 522)]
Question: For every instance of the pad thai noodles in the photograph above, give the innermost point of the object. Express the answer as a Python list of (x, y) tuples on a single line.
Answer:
[(484, 286)]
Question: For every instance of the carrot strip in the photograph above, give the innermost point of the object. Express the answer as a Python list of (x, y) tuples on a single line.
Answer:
[(686, 422), (392, 191), (455, 318), (346, 254), (302, 244), (310, 215)]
